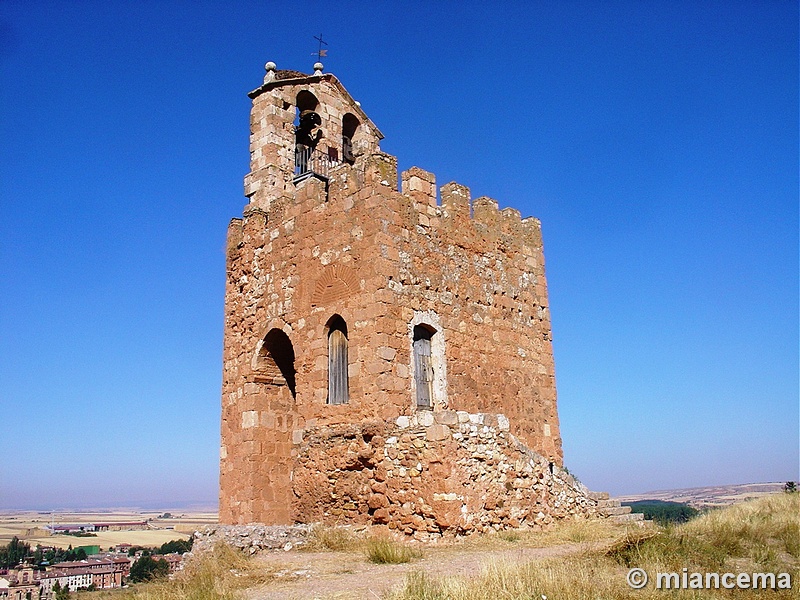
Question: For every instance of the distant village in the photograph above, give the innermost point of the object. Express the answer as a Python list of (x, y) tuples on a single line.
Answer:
[(28, 574)]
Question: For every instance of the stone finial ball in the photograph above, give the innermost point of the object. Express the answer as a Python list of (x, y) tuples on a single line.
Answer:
[(318, 66), (270, 66)]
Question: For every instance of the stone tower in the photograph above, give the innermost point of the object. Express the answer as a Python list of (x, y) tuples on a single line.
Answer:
[(350, 301)]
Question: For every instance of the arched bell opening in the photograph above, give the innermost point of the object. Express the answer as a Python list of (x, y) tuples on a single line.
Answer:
[(350, 125)]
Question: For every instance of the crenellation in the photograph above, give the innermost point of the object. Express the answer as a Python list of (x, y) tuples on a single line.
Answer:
[(532, 231), (455, 203), (378, 169), (486, 212), (511, 224), (235, 234), (420, 186)]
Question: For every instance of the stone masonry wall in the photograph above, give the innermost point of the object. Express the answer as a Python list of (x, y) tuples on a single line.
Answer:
[(383, 260), (429, 475)]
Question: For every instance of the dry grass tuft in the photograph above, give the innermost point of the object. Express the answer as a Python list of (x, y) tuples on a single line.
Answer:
[(752, 528), (509, 535), (384, 550), (562, 532), (335, 539)]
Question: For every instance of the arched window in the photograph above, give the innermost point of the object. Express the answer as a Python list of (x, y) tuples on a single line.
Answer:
[(423, 365), (306, 101), (338, 386), (349, 125), (307, 132), (275, 362)]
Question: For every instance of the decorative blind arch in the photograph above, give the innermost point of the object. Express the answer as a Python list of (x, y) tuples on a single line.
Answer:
[(336, 282)]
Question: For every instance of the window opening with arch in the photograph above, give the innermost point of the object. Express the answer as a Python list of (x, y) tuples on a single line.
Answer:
[(275, 361), (307, 133), (338, 384), (350, 124), (423, 365)]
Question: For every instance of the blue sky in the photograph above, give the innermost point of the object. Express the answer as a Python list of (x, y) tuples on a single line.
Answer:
[(656, 141)]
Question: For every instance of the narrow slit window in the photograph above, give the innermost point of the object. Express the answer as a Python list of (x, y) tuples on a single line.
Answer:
[(338, 385), (423, 366)]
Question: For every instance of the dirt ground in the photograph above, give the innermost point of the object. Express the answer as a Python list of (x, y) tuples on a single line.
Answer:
[(349, 576)]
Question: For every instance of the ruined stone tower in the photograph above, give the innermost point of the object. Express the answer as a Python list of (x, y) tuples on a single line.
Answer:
[(352, 307)]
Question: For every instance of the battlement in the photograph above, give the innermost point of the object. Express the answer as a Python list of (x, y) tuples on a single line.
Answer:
[(457, 209), (453, 212)]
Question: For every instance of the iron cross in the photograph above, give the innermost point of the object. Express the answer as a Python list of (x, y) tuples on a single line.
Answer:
[(320, 53)]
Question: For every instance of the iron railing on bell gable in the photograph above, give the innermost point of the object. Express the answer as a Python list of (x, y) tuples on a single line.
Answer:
[(309, 161)]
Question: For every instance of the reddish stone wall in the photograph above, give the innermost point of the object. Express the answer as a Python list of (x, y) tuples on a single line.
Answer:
[(429, 475), (383, 260)]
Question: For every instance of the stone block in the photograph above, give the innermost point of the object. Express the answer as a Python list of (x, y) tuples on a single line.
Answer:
[(387, 353), (378, 501), (446, 417), (437, 432), (249, 419), (425, 418)]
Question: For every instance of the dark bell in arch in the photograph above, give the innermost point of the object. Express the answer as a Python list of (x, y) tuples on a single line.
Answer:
[(309, 119)]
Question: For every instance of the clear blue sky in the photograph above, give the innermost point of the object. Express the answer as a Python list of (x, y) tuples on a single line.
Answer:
[(657, 142)]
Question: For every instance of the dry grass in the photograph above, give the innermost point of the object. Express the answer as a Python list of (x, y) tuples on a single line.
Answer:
[(380, 549), (562, 532), (336, 539), (385, 550), (746, 529), (758, 536), (218, 575)]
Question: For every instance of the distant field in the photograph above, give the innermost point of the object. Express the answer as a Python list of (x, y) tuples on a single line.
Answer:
[(29, 527), (712, 496)]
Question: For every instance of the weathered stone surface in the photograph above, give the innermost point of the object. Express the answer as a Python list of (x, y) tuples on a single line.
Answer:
[(446, 417), (435, 433), (425, 418), (250, 538), (433, 481)]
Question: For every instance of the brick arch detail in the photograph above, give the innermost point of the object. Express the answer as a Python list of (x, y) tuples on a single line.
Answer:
[(336, 282)]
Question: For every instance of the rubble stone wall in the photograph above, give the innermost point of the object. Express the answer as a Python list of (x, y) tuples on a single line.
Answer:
[(429, 475)]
